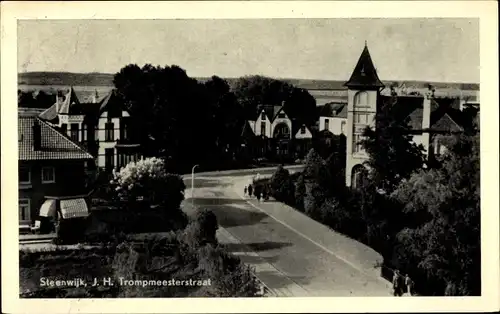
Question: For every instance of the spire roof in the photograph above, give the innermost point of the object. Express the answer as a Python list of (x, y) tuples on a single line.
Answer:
[(364, 74), (70, 101)]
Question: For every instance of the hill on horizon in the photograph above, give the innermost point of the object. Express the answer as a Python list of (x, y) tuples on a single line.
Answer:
[(106, 80)]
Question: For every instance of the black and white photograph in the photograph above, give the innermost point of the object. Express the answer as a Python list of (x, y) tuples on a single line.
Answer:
[(249, 158)]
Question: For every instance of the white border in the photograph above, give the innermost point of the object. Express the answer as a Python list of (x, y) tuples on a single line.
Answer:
[(485, 10)]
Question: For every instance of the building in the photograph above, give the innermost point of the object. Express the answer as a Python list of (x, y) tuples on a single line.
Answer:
[(430, 117), (333, 117), (51, 166), (103, 127), (274, 133)]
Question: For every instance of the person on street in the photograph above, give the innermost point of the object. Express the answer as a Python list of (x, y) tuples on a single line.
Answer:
[(396, 283), (258, 196), (408, 284), (245, 190), (250, 190)]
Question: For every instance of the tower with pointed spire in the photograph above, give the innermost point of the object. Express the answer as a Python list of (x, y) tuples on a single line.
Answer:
[(364, 88)]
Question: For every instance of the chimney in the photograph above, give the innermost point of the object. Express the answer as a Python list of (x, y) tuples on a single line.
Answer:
[(37, 135), (426, 119)]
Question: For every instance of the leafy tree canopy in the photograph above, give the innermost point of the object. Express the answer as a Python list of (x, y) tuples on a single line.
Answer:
[(446, 243), (392, 154), (256, 90)]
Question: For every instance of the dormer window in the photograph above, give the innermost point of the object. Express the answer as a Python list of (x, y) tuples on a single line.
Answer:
[(303, 129), (109, 127), (263, 116), (281, 115)]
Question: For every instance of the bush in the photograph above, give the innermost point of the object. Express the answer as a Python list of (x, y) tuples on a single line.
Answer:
[(282, 187), (202, 230), (147, 179), (229, 276)]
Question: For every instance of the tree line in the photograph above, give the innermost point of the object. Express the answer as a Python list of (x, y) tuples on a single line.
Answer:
[(189, 122)]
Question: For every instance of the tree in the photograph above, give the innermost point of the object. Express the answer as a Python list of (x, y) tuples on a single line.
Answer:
[(256, 90), (393, 156), (148, 179), (335, 164), (445, 244), (315, 182), (300, 192), (282, 186), (227, 116), (171, 109)]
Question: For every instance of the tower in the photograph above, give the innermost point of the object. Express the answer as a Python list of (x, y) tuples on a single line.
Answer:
[(363, 90)]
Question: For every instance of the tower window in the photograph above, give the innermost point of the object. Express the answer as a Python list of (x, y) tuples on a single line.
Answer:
[(361, 99)]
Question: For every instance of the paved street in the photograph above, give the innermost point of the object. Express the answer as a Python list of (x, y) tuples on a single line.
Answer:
[(293, 254)]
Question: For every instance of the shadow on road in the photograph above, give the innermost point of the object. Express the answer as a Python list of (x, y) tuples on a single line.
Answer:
[(216, 201), (253, 260), (277, 281), (203, 183), (255, 247), (229, 212)]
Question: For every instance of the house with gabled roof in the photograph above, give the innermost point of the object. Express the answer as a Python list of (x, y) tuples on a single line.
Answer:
[(277, 133), (430, 118), (104, 127), (51, 166)]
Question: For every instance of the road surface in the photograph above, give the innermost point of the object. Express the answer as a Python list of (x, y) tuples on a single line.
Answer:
[(288, 260)]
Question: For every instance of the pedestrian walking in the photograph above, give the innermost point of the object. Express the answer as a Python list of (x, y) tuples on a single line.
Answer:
[(250, 190), (396, 283), (408, 284), (258, 196), (245, 190), (264, 194)]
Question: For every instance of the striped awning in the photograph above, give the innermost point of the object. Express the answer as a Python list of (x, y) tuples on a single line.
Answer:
[(74, 208), (48, 208)]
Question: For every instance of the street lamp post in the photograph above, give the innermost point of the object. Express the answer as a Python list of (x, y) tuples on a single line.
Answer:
[(192, 185)]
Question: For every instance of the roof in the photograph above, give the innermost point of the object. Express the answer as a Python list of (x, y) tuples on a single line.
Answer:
[(444, 117), (111, 103), (54, 145), (364, 74), (50, 114), (334, 110), (70, 104), (32, 112)]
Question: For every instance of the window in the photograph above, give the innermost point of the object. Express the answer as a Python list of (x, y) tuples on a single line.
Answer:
[(263, 128), (109, 158), (84, 132), (110, 131), (361, 118), (361, 99), (327, 124), (64, 128), (24, 175), (124, 125), (74, 132), (358, 148), (24, 210), (303, 129), (342, 127), (48, 175), (263, 116), (281, 115)]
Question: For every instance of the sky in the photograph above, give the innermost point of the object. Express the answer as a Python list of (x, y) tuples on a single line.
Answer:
[(444, 50)]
